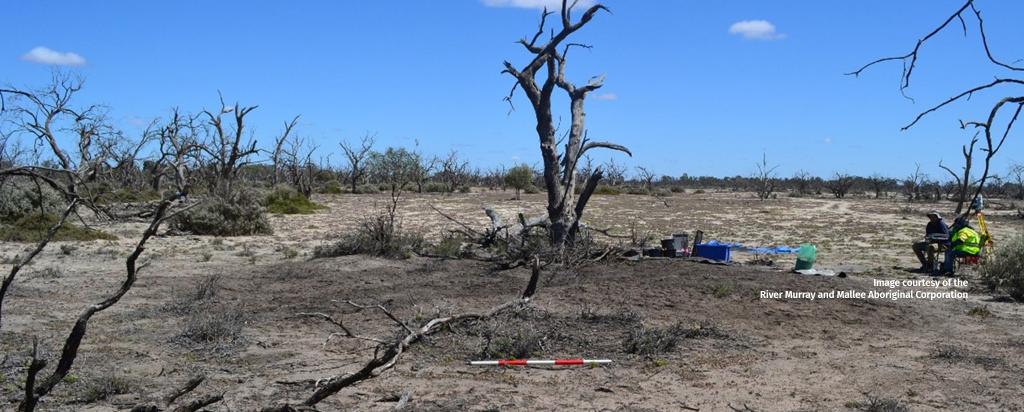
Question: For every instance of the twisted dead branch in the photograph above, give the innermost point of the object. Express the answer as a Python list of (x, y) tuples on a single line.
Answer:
[(168, 400), (992, 143), (387, 357)]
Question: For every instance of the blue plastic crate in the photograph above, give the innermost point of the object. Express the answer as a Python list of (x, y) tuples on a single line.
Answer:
[(716, 252)]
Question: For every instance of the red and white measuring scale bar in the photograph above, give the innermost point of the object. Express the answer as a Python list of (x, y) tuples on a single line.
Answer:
[(524, 362)]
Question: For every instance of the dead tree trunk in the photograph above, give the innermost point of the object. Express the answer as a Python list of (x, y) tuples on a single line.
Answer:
[(564, 209), (275, 157), (963, 184)]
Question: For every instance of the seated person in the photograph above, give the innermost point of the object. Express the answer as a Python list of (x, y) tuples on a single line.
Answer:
[(936, 235), (964, 242)]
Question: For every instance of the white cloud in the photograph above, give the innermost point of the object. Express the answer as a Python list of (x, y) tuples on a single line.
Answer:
[(607, 96), (828, 140), (537, 4), (756, 30), (43, 55)]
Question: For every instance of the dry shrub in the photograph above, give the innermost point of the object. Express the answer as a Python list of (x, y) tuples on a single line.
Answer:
[(380, 234), (205, 290), (652, 341), (1005, 271), (240, 214), (213, 324), (451, 246), (93, 389), (879, 404), (510, 340), (587, 313)]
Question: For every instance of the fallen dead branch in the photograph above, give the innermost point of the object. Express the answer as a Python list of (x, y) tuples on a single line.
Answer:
[(388, 357), (167, 400)]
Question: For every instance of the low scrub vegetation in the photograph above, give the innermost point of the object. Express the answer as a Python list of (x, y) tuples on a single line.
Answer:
[(213, 323), (288, 201), (127, 196), (33, 228), (878, 404), (378, 235), (98, 388), (607, 190), (19, 199), (1005, 271), (238, 215), (653, 341), (502, 340)]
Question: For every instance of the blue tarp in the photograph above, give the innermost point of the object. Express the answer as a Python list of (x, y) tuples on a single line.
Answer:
[(763, 250)]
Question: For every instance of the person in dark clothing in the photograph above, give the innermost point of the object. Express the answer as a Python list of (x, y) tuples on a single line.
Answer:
[(936, 235)]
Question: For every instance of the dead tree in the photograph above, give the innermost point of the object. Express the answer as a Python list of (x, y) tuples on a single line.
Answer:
[(425, 166), (564, 209), (879, 184), (453, 172), (357, 156), (912, 184), (176, 150), (275, 156), (228, 149), (40, 116), (646, 178), (297, 164), (840, 184), (46, 115), (1017, 174), (962, 183), (994, 138), (614, 173), (126, 171), (765, 178), (802, 180)]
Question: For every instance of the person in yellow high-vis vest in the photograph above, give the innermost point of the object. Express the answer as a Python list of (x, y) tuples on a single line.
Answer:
[(964, 241)]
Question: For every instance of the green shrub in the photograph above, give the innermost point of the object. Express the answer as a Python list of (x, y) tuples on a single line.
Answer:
[(240, 215), (636, 190), (19, 199), (288, 201), (32, 228), (1005, 271), (366, 190), (531, 189), (435, 187), (332, 187), (607, 190), (662, 192), (519, 178), (127, 196), (698, 192), (677, 189)]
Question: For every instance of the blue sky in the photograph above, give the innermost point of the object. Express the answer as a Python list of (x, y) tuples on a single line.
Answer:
[(682, 90)]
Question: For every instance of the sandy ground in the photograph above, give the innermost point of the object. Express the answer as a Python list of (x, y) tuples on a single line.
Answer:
[(767, 354)]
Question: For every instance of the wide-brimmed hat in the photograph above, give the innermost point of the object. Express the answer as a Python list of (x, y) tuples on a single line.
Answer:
[(934, 213)]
